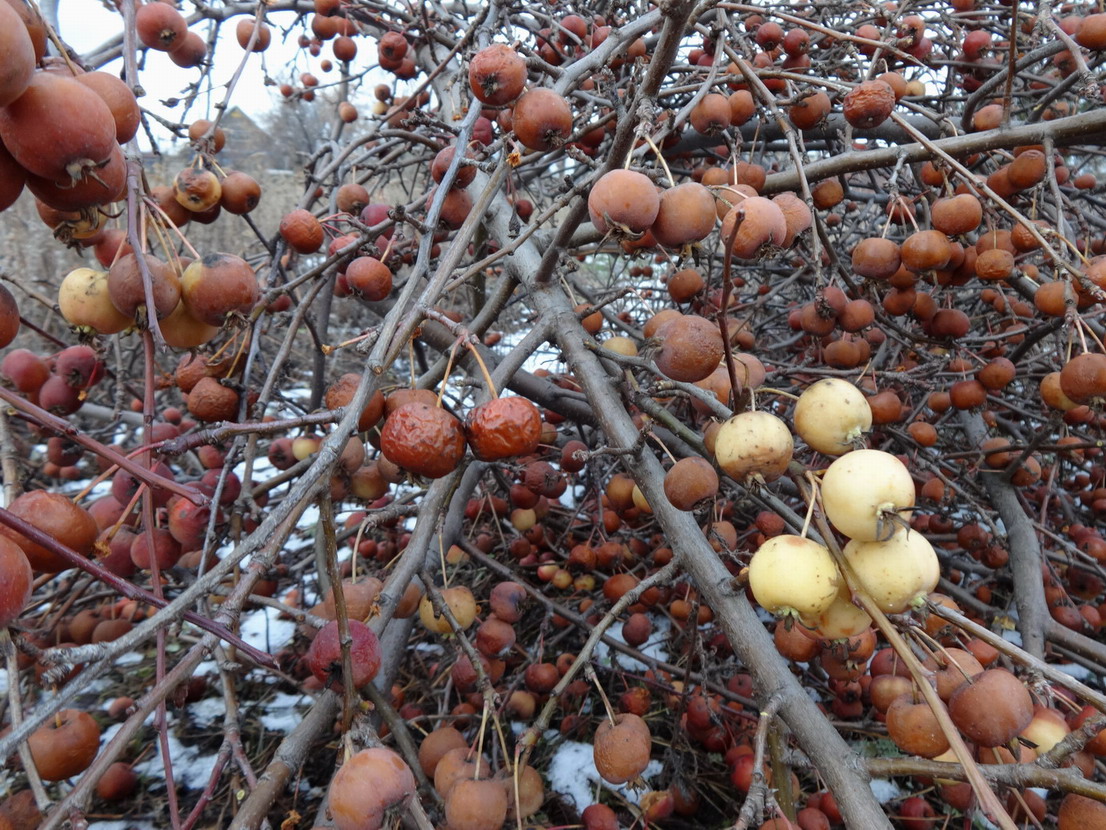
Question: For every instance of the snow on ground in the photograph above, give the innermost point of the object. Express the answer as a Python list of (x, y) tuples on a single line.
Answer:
[(283, 712), (572, 773), (885, 790), (207, 712), (264, 629), (1012, 636), (1076, 671), (653, 647), (191, 768)]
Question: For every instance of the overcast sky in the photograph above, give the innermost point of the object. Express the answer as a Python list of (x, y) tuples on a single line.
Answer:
[(86, 24)]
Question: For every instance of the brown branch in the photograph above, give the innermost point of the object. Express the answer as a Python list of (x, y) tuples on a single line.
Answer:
[(1087, 127)]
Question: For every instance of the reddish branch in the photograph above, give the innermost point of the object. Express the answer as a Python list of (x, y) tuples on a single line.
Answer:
[(63, 427)]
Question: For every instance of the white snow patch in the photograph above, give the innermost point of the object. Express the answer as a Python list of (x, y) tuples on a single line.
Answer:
[(265, 630), (207, 711), (572, 773), (190, 768), (763, 615), (1074, 670), (130, 658), (885, 790), (282, 713), (653, 647), (1012, 636), (3, 682), (121, 825)]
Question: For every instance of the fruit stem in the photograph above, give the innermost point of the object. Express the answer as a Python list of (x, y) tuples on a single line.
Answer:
[(448, 369), (62, 50), (164, 217), (660, 158), (483, 369), (589, 672), (810, 504), (480, 739), (661, 443), (775, 391), (441, 557)]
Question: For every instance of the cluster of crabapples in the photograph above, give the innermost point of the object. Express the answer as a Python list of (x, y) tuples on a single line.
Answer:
[(867, 496)]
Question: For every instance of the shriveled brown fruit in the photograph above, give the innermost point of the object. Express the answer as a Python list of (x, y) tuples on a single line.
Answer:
[(1083, 378), (17, 580), (127, 292), (424, 440), (507, 601), (914, 728), (351, 198), (689, 482), (211, 401), (952, 668), (200, 130), (621, 750), (19, 56), (868, 104), (542, 119), (369, 278), (497, 74), (686, 214), (465, 172), (191, 52), (302, 230), (957, 214), (711, 115), (476, 804), (436, 744), (994, 264), (530, 790), (623, 201), (241, 193), (57, 517), (691, 348), (876, 257), (503, 428), (1027, 169), (457, 764), (341, 392), (120, 100), (219, 285), (809, 110), (369, 785), (926, 250), (65, 745), (160, 26), (1077, 812), (119, 780), (796, 214), (78, 136), (685, 284), (759, 223), (992, 709)]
